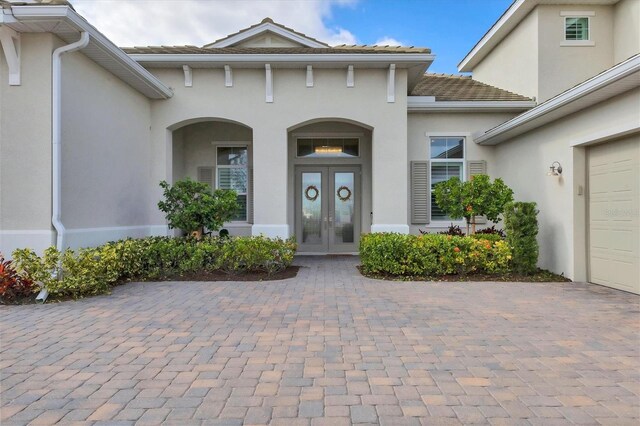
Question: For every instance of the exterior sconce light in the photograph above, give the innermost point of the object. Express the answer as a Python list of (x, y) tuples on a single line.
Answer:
[(555, 169)]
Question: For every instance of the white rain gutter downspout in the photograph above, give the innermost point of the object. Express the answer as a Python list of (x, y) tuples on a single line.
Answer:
[(56, 136)]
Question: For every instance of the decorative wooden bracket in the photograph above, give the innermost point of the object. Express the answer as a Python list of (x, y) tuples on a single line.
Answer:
[(350, 78), (188, 76), (269, 83), (228, 76), (309, 76), (391, 84), (10, 41)]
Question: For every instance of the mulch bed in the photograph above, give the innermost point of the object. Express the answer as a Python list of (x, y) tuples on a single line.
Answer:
[(542, 276), (290, 272)]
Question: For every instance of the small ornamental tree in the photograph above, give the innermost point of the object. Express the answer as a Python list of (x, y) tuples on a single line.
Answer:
[(191, 206), (475, 197), (521, 226)]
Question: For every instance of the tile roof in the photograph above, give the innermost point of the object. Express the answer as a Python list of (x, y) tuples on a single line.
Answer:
[(266, 21), (177, 50), (447, 87)]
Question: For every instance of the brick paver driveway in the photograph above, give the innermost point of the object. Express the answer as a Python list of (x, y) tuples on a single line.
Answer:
[(328, 347)]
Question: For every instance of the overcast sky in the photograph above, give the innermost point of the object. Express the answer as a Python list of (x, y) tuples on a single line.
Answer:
[(449, 27)]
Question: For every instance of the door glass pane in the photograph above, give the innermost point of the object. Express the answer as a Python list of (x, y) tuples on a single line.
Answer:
[(344, 211), (312, 208)]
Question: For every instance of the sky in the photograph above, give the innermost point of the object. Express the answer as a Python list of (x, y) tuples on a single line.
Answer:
[(449, 27)]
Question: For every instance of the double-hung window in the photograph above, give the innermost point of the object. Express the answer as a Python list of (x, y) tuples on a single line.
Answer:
[(447, 161), (233, 173)]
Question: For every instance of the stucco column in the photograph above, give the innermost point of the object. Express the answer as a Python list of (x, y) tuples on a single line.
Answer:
[(270, 181), (390, 177)]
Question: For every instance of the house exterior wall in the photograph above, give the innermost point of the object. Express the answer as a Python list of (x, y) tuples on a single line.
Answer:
[(294, 103), (105, 155), (561, 67), (513, 63), (422, 126), (25, 148), (524, 162), (626, 30)]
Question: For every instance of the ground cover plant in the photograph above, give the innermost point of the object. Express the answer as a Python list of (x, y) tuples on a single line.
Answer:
[(92, 271)]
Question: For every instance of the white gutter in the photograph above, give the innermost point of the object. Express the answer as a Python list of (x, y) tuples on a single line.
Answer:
[(180, 59), (563, 104), (56, 135), (430, 104)]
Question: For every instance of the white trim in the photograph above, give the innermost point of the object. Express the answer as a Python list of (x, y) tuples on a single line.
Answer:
[(606, 134), (188, 76), (577, 43), (429, 103), (390, 227), (302, 59), (350, 76), (262, 28), (37, 240), (268, 83), (562, 103), (10, 41), (391, 84), (228, 76), (138, 77), (309, 76), (91, 237), (270, 231), (577, 13)]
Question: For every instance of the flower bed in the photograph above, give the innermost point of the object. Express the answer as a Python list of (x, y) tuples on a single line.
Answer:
[(433, 254), (91, 271)]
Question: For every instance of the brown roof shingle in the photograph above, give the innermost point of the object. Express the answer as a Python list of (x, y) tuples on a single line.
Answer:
[(177, 50), (447, 87)]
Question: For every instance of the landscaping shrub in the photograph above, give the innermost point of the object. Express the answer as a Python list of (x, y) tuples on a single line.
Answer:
[(13, 286), (93, 271), (492, 231), (192, 207), (432, 254), (521, 226)]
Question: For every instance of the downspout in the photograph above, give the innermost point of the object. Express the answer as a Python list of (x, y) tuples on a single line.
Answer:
[(56, 136)]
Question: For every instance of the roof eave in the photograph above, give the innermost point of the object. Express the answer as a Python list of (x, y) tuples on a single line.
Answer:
[(142, 80), (618, 79), (430, 104), (350, 58)]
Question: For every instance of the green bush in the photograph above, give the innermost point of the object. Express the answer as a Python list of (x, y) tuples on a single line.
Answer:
[(93, 271), (521, 227), (432, 254), (191, 206)]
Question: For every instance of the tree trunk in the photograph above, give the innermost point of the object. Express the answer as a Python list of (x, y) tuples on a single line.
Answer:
[(197, 234), (473, 224)]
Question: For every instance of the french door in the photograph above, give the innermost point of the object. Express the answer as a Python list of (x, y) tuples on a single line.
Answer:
[(327, 207)]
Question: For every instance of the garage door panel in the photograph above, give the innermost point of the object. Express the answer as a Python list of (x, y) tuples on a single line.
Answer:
[(614, 219)]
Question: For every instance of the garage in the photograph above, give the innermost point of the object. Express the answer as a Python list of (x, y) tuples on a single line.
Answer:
[(614, 210)]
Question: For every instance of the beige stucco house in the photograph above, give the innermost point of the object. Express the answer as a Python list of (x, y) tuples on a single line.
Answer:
[(325, 143)]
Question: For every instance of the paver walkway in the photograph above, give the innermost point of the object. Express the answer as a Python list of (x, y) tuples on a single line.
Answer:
[(328, 347)]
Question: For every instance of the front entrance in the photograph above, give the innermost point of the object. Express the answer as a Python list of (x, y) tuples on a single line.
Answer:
[(327, 208)]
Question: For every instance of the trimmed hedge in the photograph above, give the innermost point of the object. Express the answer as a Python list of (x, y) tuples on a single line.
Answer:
[(92, 271), (433, 254), (521, 224)]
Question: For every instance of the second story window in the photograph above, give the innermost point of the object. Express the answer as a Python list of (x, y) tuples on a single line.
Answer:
[(576, 28)]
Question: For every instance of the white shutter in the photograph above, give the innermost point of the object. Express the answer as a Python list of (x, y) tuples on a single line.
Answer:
[(250, 197), (205, 175), (477, 167), (420, 192)]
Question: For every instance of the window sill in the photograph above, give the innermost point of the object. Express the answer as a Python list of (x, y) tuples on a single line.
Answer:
[(577, 43)]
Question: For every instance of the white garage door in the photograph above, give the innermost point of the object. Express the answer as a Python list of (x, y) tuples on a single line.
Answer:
[(614, 210)]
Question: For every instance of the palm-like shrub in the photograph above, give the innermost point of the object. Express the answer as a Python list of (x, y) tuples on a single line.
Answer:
[(521, 226)]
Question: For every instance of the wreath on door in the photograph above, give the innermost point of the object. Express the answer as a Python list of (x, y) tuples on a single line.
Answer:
[(343, 193), (311, 193)]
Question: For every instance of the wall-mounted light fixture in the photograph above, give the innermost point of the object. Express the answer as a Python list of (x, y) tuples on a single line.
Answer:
[(555, 169), (328, 149)]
